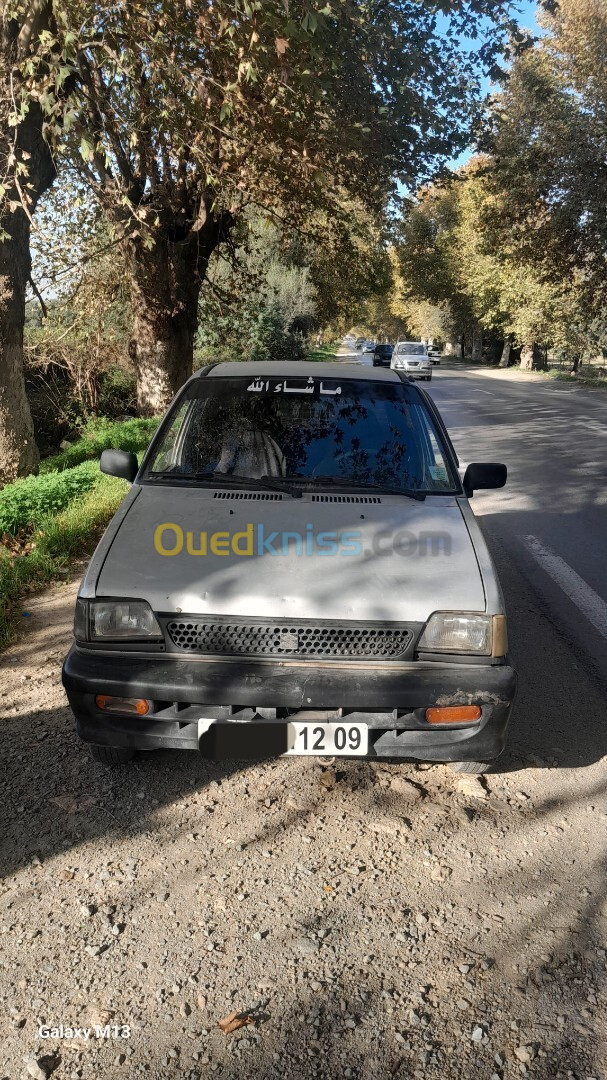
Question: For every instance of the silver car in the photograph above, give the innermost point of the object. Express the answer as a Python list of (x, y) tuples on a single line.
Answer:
[(412, 358), (295, 569)]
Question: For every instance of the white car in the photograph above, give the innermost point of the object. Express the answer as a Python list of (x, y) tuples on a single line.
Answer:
[(295, 569), (412, 358), (369, 347)]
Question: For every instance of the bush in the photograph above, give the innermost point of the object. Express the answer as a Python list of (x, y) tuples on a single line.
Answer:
[(117, 392), (101, 434), (28, 500), (269, 340)]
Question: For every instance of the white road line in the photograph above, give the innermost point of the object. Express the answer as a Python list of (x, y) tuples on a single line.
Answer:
[(477, 391), (586, 599)]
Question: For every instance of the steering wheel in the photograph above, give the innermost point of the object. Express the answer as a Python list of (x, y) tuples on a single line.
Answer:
[(339, 456)]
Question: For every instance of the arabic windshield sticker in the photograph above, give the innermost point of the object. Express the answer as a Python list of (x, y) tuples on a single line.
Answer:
[(258, 386)]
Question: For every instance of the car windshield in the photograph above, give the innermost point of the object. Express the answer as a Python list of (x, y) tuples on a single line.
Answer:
[(410, 348), (355, 431)]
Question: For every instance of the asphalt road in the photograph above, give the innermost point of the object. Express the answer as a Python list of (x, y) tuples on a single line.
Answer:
[(547, 531)]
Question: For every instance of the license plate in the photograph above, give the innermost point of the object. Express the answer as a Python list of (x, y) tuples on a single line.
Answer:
[(330, 740)]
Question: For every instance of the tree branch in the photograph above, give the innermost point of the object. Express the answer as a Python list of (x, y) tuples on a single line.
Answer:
[(38, 295)]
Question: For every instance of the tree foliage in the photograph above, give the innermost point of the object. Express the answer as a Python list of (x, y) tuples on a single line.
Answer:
[(184, 116)]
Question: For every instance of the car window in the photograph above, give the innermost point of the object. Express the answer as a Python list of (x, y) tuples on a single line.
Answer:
[(361, 431), (410, 349)]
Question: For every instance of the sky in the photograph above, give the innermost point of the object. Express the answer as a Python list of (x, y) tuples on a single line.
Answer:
[(527, 20), (527, 17)]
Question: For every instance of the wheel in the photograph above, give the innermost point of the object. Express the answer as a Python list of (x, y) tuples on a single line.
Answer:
[(474, 767), (111, 755), (375, 362)]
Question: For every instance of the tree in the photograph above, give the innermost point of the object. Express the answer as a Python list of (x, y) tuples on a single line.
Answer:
[(184, 115), (430, 264), (82, 285), (26, 171), (548, 139), (261, 302)]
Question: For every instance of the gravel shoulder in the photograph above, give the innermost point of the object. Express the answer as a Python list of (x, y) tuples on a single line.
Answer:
[(374, 920)]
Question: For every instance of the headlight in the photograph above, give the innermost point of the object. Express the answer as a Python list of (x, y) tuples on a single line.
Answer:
[(455, 632), (115, 620)]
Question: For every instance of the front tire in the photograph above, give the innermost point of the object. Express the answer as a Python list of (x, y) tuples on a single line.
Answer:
[(111, 755), (476, 768)]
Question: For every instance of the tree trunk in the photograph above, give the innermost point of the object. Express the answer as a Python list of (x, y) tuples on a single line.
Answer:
[(531, 357), (477, 344), (18, 451), (507, 349), (165, 286), (21, 147)]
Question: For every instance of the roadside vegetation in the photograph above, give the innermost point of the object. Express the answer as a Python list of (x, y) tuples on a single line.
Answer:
[(322, 352), (47, 519)]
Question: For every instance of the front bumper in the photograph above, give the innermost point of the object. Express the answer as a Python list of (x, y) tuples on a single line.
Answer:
[(390, 697), (415, 373)]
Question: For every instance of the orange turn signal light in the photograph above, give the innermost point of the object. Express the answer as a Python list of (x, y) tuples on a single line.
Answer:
[(136, 706), (454, 714)]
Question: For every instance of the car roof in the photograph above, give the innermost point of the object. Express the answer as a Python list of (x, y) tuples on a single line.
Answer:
[(298, 368)]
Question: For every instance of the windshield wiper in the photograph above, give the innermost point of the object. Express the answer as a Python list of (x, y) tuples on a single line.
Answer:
[(386, 489), (217, 479)]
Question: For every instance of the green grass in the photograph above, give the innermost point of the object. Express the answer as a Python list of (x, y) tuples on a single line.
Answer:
[(101, 434), (325, 352), (62, 512), (56, 539), (25, 502), (599, 381)]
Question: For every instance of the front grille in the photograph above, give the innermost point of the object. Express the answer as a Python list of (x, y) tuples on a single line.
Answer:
[(298, 639)]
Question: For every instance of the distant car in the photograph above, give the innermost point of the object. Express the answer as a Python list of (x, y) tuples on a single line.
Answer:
[(382, 354), (434, 354), (412, 357), (369, 347), (358, 344)]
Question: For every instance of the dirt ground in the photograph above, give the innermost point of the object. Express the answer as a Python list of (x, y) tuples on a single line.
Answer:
[(373, 920)]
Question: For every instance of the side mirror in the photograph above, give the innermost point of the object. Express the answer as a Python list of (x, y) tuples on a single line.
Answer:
[(119, 463), (484, 475)]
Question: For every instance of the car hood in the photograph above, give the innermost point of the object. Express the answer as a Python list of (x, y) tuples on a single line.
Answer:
[(434, 566)]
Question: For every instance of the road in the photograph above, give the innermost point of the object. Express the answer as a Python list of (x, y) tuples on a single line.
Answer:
[(547, 530), (379, 921)]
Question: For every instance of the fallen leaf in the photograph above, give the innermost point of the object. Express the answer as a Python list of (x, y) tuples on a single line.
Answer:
[(282, 45), (233, 1022), (71, 804), (328, 888)]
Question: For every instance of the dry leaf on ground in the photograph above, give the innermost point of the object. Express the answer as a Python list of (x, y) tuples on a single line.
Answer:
[(233, 1021)]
